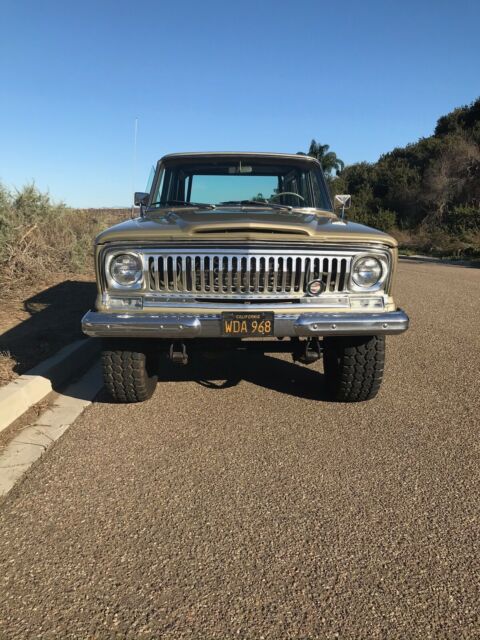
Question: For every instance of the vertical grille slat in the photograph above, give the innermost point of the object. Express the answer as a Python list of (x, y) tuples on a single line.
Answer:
[(177, 285), (202, 273), (257, 275), (244, 274), (247, 274), (296, 274), (219, 287), (229, 274), (218, 274), (253, 274), (153, 272), (333, 274), (183, 272), (301, 277), (343, 275), (338, 274), (193, 275), (327, 273), (275, 274), (165, 273), (211, 279), (288, 285)]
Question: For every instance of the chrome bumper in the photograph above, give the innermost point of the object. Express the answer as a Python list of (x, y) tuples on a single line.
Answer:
[(176, 326)]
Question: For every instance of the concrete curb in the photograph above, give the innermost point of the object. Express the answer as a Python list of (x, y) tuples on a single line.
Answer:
[(28, 389), (34, 440)]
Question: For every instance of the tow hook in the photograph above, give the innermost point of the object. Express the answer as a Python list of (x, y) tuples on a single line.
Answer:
[(178, 353), (308, 351)]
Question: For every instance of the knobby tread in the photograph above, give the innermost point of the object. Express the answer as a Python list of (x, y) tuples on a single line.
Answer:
[(354, 367), (125, 372)]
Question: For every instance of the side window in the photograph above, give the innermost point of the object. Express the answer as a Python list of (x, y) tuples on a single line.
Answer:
[(291, 185), (188, 188), (162, 186), (317, 194), (303, 191), (181, 186), (151, 175), (321, 191)]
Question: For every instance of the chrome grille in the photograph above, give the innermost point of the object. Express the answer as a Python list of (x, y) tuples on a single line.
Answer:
[(255, 274)]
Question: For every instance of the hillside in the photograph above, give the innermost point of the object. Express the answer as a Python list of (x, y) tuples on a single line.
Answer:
[(427, 193)]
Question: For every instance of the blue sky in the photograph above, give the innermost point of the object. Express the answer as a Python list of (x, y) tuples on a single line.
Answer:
[(266, 75)]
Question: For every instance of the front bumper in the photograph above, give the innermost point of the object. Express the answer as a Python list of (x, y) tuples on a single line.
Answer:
[(177, 326)]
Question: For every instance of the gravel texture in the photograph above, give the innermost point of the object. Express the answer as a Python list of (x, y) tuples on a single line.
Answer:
[(238, 503)]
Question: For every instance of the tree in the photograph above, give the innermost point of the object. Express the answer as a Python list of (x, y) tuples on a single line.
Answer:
[(428, 191), (328, 159)]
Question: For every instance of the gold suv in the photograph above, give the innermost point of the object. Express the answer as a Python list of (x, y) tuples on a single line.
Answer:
[(243, 250)]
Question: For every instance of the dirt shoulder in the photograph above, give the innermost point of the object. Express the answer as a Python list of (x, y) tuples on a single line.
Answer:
[(37, 321)]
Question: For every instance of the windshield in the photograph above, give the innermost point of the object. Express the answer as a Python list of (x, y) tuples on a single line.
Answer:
[(248, 182)]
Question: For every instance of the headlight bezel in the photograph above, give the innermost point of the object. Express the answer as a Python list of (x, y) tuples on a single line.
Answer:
[(112, 283), (380, 283)]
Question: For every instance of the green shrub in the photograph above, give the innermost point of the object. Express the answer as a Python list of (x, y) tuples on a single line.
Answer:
[(383, 219), (463, 218)]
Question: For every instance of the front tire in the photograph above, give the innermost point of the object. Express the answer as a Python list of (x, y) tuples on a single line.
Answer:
[(354, 367), (127, 371)]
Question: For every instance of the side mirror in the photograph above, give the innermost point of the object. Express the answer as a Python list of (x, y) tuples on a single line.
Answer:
[(342, 202), (141, 198)]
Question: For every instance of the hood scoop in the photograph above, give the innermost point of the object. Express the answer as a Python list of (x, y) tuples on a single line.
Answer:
[(278, 225), (251, 229)]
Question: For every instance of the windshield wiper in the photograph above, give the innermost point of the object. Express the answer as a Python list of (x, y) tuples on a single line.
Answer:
[(257, 203), (184, 203)]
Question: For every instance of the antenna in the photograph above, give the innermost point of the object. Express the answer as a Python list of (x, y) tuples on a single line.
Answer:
[(134, 162)]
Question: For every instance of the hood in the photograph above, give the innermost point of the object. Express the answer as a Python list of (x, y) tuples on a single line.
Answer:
[(243, 224)]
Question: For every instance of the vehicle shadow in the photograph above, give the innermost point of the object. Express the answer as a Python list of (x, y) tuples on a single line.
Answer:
[(228, 370), (50, 320)]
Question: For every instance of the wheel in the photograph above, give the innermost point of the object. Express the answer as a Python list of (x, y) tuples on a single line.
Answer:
[(127, 371), (353, 367)]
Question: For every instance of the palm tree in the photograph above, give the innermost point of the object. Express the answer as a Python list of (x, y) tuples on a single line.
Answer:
[(328, 159)]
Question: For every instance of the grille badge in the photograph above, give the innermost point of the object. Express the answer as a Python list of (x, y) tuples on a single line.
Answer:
[(315, 287)]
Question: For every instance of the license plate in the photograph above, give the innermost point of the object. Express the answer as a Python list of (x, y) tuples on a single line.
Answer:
[(257, 325)]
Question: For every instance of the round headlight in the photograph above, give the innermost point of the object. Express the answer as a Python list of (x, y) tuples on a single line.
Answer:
[(126, 269), (367, 271)]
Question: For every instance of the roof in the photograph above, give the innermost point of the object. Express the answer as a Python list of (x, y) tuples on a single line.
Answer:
[(199, 155)]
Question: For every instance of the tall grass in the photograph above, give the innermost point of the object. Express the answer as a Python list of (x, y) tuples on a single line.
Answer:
[(39, 237)]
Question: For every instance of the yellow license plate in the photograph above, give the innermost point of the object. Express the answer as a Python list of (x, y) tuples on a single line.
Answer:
[(253, 325)]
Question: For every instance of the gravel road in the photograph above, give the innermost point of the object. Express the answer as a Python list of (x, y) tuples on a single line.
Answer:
[(238, 503)]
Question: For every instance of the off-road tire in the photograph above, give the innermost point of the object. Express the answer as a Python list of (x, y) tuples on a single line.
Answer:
[(353, 367), (127, 371)]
